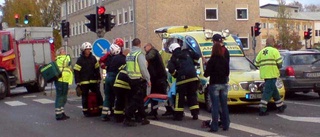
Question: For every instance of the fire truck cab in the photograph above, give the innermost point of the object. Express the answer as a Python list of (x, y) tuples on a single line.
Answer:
[(23, 51)]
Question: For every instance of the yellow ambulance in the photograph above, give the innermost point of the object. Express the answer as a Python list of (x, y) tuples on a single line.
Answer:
[(245, 85)]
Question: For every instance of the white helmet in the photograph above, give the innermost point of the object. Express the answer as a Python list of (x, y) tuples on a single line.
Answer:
[(86, 45), (115, 49), (173, 46)]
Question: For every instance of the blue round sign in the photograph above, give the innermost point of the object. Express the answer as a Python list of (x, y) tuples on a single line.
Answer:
[(100, 47)]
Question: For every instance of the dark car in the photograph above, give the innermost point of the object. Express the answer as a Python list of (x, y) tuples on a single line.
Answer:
[(300, 71)]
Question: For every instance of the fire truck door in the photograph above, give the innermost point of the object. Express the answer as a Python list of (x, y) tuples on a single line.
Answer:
[(27, 66)]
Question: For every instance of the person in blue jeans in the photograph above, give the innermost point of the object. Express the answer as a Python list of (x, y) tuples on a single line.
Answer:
[(218, 71)]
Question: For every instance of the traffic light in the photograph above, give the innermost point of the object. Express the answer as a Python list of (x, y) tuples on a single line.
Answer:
[(257, 29), (109, 23), (309, 33), (26, 20), (101, 17), (65, 28), (305, 35), (16, 16), (92, 24)]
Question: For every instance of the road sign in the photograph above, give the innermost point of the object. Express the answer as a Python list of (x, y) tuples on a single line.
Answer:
[(100, 47)]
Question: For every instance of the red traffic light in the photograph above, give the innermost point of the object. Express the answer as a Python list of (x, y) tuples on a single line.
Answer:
[(305, 33), (101, 10), (16, 16)]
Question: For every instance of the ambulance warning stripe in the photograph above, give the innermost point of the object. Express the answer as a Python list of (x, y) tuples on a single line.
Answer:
[(207, 47)]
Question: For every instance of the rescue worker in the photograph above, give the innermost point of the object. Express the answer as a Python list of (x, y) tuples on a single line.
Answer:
[(113, 62), (121, 89), (182, 66), (158, 77), (139, 79), (63, 62), (87, 76), (269, 62)]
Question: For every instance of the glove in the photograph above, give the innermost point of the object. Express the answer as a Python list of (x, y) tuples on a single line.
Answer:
[(78, 90)]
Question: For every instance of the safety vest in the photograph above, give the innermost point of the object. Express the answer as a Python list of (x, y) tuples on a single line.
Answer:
[(133, 68), (64, 62), (268, 60)]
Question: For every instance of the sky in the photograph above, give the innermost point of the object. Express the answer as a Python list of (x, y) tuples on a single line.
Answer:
[(303, 2), (263, 2)]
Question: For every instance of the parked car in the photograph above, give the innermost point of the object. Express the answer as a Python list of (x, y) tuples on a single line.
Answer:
[(300, 71)]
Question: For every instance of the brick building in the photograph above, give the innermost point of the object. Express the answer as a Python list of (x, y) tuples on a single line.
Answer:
[(139, 18)]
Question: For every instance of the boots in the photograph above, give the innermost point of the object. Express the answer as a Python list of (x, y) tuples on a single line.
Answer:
[(282, 108), (129, 123), (153, 113)]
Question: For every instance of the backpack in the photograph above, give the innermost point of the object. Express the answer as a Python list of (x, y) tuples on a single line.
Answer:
[(93, 106)]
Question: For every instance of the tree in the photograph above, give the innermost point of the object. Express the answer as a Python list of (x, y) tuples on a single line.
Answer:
[(44, 13), (312, 8), (297, 4), (287, 37)]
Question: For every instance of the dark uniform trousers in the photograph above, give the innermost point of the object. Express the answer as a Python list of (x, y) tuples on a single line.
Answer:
[(120, 102), (158, 86), (93, 87), (135, 100), (188, 90)]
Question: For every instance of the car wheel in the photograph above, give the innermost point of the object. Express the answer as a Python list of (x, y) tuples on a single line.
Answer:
[(4, 88), (208, 102)]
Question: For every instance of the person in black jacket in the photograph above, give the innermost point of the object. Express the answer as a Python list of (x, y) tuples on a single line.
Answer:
[(158, 77), (218, 70), (114, 61), (87, 76), (182, 66)]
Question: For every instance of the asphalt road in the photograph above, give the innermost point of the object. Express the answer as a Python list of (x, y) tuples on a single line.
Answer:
[(32, 115)]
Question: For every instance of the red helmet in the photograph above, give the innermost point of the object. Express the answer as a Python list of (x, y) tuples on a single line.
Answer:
[(119, 42)]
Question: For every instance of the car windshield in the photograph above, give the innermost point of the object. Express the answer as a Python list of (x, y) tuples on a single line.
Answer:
[(304, 59), (240, 63)]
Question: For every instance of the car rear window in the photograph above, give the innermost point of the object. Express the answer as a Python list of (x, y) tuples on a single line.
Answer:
[(303, 59)]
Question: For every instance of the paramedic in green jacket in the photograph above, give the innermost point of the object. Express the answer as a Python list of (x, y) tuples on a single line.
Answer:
[(269, 61), (62, 84)]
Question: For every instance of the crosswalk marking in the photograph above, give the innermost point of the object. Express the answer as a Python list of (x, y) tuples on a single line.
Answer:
[(44, 101), (30, 96), (251, 130), (185, 129), (15, 103)]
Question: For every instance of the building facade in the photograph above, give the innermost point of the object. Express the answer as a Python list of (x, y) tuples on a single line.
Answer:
[(298, 22), (139, 19)]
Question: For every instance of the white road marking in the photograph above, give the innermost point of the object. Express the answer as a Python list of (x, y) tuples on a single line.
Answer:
[(247, 129), (185, 129), (29, 96), (15, 103), (301, 119), (79, 107), (44, 101), (300, 103)]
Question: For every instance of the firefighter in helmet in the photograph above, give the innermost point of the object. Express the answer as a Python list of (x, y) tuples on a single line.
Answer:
[(114, 61), (182, 66), (87, 76)]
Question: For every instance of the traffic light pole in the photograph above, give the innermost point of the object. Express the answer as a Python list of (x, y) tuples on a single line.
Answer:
[(66, 38), (253, 42)]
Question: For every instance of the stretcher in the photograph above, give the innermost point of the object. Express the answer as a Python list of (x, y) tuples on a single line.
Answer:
[(162, 98)]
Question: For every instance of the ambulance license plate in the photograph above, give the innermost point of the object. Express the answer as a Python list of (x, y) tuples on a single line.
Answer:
[(253, 96)]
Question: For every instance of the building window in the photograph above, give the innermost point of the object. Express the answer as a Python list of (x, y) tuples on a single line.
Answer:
[(317, 32), (120, 18), (298, 27), (264, 25), (211, 14), (131, 14), (242, 14), (125, 20), (245, 43), (126, 44), (304, 27)]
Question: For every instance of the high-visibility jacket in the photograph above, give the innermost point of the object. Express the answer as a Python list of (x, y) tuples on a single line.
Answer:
[(122, 80), (133, 68), (268, 60), (64, 63)]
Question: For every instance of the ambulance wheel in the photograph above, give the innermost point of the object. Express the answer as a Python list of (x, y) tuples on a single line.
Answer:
[(32, 87), (4, 88), (208, 102)]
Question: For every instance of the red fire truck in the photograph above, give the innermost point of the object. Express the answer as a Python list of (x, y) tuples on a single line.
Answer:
[(23, 51)]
